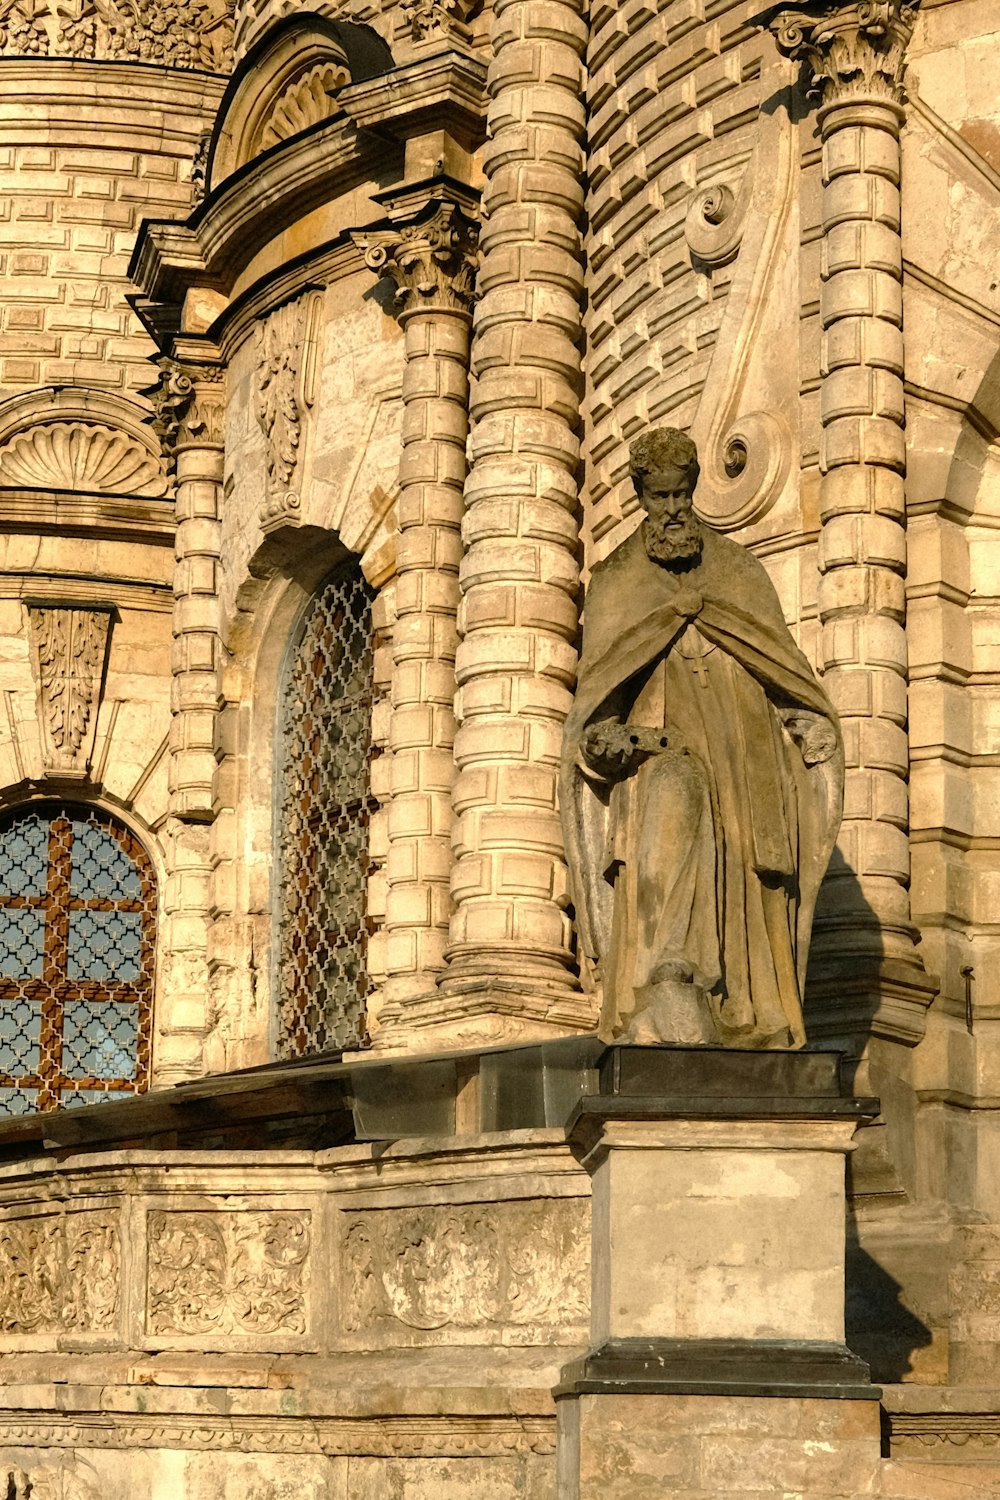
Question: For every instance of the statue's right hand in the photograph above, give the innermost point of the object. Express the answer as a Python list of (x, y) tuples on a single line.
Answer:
[(613, 749)]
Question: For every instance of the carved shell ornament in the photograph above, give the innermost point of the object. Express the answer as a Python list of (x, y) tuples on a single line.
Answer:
[(305, 102), (80, 456)]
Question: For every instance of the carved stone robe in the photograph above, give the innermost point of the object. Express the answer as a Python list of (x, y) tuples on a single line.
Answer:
[(708, 857)]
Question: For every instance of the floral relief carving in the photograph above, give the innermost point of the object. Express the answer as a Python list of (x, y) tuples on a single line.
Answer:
[(177, 33), (231, 1273), (59, 1272), (70, 648), (81, 456), (286, 364), (520, 1264)]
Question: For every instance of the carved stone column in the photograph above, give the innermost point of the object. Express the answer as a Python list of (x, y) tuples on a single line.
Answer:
[(510, 962), (863, 956), (431, 262), (190, 401)]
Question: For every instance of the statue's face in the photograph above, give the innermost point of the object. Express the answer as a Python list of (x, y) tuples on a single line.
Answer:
[(667, 496)]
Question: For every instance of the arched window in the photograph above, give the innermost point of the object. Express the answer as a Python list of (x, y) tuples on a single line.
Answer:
[(77, 943), (324, 810)]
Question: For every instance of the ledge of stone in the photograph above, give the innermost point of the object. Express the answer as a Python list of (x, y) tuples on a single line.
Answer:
[(715, 1367)]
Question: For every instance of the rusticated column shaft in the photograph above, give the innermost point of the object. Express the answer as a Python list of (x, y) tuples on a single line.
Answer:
[(855, 52), (431, 263), (191, 403), (518, 619)]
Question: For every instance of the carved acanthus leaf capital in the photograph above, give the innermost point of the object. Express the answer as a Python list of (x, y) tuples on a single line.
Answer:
[(190, 405), (433, 261), (854, 51)]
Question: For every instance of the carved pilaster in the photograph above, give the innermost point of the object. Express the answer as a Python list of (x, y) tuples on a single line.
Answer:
[(69, 649), (286, 378), (852, 51), (190, 404), (431, 261), (865, 972)]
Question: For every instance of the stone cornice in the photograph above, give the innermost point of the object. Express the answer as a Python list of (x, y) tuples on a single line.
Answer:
[(447, 88), (855, 52)]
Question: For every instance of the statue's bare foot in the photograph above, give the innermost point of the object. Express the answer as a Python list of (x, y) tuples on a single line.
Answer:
[(671, 1011)]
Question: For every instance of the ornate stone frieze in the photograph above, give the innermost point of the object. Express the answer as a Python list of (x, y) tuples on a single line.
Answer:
[(854, 51), (471, 1266), (59, 1272), (432, 262), (228, 1273), (69, 649), (189, 402), (286, 372), (177, 34), (437, 18), (463, 1436), (83, 456)]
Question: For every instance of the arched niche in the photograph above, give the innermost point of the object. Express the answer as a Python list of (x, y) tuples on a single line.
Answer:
[(287, 84)]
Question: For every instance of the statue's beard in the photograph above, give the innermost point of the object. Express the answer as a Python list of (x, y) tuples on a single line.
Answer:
[(674, 545)]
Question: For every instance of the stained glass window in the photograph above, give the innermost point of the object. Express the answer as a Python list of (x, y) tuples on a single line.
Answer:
[(325, 806), (77, 936)]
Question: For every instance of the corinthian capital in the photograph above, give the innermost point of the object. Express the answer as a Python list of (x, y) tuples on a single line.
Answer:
[(189, 401), (854, 51), (432, 260)]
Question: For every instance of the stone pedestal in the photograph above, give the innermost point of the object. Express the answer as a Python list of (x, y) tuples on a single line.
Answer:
[(718, 1363)]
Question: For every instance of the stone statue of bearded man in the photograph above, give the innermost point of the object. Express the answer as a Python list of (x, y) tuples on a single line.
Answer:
[(702, 781)]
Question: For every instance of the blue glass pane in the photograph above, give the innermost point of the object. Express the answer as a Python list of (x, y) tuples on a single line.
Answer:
[(104, 945), (24, 855), (99, 1040), (17, 1101), (22, 940), (20, 1026), (100, 867)]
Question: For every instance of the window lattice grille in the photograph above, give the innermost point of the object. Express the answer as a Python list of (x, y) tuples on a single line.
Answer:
[(77, 951), (325, 809)]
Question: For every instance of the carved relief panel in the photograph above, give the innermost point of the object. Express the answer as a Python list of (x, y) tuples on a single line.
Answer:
[(510, 1272), (60, 1273), (216, 1277)]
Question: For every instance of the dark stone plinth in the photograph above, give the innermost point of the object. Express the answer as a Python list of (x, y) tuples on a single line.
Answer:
[(716, 1072), (709, 1083), (719, 1367)]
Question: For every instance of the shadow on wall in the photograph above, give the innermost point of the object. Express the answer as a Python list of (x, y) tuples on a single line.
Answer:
[(879, 1325)]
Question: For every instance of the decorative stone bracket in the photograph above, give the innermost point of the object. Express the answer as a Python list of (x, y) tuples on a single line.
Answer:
[(285, 390), (69, 648)]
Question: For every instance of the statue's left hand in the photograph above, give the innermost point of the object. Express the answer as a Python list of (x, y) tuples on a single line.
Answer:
[(814, 735)]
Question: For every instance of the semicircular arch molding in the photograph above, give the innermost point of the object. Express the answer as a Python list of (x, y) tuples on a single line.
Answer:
[(287, 84), (73, 438)]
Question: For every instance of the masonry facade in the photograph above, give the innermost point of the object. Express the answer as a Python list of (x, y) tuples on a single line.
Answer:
[(324, 336)]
